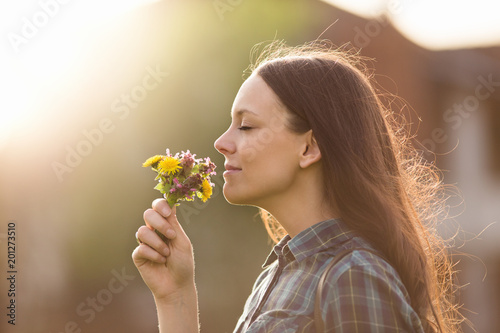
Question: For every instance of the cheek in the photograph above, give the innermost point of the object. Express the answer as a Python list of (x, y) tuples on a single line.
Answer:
[(259, 143), (265, 144), (274, 162)]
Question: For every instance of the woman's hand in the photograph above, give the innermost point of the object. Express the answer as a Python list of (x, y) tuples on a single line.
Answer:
[(167, 269)]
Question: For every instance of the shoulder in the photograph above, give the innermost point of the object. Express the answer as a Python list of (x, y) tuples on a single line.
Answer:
[(364, 291), (364, 264), (364, 272)]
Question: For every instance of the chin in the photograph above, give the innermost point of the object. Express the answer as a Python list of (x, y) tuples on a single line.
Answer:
[(233, 197)]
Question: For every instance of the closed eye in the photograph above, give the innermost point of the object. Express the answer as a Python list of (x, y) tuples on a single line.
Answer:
[(244, 128)]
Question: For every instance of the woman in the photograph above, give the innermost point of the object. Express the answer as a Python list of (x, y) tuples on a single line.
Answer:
[(311, 145)]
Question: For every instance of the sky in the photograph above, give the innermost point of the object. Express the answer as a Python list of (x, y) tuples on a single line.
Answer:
[(436, 25)]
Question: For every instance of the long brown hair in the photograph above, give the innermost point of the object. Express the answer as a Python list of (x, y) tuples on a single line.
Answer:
[(374, 180)]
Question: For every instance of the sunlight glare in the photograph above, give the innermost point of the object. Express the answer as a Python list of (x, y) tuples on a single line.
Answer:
[(51, 56), (364, 8), (436, 25)]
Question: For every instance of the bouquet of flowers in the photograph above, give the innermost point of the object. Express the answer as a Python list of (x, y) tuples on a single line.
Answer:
[(182, 176)]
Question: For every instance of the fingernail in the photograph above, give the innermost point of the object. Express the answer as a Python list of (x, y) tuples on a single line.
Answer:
[(166, 251)]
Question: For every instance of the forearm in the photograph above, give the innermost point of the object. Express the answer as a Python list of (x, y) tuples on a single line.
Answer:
[(179, 314)]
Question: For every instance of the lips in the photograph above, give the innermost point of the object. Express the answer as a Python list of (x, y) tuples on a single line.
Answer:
[(230, 169)]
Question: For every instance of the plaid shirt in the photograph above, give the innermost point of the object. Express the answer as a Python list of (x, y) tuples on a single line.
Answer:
[(362, 292)]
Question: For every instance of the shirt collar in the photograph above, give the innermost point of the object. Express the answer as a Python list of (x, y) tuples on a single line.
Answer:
[(322, 236), (279, 250)]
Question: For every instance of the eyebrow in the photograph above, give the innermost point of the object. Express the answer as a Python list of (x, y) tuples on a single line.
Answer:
[(243, 111)]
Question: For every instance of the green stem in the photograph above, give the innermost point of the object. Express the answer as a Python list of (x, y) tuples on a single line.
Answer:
[(171, 200)]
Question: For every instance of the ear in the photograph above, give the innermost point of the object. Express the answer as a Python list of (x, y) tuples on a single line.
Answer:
[(310, 153)]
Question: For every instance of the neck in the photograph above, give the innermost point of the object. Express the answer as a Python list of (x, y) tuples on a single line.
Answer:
[(300, 208)]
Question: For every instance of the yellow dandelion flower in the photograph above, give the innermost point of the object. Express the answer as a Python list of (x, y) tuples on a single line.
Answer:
[(152, 161), (169, 165), (205, 191)]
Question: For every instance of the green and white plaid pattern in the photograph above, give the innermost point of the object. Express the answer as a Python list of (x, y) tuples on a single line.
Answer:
[(363, 293)]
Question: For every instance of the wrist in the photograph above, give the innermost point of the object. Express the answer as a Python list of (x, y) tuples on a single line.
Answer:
[(181, 296), (178, 312)]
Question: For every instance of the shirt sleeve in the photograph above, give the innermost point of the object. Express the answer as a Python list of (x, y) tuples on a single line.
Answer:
[(365, 294)]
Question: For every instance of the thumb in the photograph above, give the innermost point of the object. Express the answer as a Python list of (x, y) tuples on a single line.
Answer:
[(162, 207)]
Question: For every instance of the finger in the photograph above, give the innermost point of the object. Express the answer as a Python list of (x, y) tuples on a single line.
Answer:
[(151, 239), (145, 253), (161, 206), (156, 221)]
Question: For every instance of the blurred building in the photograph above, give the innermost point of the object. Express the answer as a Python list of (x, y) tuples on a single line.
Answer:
[(456, 94), (76, 234)]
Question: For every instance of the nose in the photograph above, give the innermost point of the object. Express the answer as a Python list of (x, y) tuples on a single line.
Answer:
[(224, 144)]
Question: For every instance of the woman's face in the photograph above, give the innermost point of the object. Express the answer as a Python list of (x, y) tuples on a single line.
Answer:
[(262, 154)]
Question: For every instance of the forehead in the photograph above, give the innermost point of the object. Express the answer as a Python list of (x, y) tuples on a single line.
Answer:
[(255, 97)]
